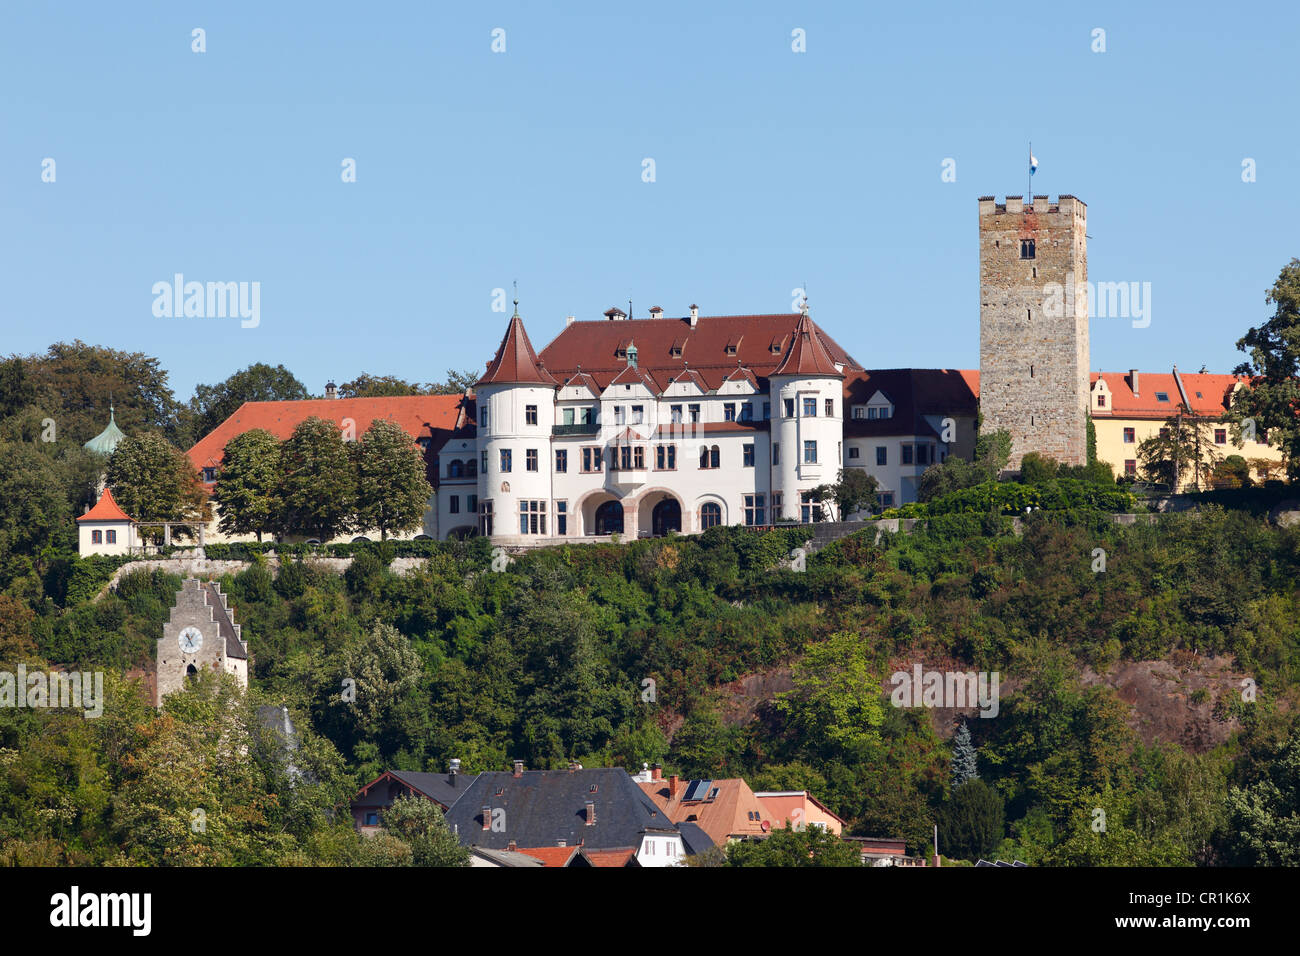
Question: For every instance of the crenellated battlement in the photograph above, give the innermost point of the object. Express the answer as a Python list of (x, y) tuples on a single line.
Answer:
[(1041, 205)]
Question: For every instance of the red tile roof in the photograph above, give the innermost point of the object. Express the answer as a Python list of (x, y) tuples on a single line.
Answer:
[(430, 416), (594, 347), (106, 509), (515, 362), (551, 855), (735, 811), (1207, 394), (807, 354), (619, 857)]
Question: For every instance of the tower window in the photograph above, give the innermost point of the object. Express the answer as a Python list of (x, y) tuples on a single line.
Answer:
[(1026, 248)]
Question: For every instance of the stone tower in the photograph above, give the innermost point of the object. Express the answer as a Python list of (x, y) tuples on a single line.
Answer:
[(1033, 326), (200, 636)]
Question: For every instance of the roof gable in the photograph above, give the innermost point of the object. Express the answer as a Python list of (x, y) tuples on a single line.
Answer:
[(515, 362)]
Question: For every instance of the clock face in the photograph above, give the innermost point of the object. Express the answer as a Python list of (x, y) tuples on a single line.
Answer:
[(190, 639)]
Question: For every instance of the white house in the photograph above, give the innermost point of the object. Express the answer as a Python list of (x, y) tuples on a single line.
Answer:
[(105, 528)]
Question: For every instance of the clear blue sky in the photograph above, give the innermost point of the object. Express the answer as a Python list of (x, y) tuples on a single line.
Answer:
[(772, 168)]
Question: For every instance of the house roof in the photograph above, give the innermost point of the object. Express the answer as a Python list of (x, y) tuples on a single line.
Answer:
[(508, 858), (1208, 394), (807, 354), (236, 649), (732, 811), (106, 509), (435, 786), (781, 804), (694, 838), (594, 346), (549, 855), (435, 417), (622, 856), (915, 393), (546, 807), (515, 362)]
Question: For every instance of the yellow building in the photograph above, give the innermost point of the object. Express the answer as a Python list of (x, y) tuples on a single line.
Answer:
[(1129, 407)]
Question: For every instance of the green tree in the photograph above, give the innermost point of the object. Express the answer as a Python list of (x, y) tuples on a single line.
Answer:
[(248, 485), (378, 386), (213, 404), (1232, 472), (964, 764), (1182, 449), (392, 490), (1263, 817), (419, 824), (318, 489), (154, 481), (1274, 349), (971, 823), (811, 846), (455, 384), (854, 491), (1036, 468), (836, 696)]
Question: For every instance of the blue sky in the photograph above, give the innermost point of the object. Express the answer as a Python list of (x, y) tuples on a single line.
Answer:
[(772, 169)]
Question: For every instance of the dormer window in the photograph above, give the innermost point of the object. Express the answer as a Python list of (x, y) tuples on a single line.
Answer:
[(675, 351), (731, 350)]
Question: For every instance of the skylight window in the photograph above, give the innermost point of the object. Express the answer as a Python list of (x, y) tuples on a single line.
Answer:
[(1162, 396)]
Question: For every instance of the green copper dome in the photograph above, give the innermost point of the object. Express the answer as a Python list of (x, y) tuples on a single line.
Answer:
[(107, 440)]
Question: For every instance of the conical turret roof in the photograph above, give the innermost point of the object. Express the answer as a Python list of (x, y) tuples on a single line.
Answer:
[(807, 354), (515, 362)]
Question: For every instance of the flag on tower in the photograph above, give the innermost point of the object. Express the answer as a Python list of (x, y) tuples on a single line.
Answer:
[(1033, 164)]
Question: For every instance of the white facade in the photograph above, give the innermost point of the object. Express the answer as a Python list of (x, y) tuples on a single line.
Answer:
[(105, 537)]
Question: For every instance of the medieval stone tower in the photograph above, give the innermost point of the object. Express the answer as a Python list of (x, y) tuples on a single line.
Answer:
[(201, 636), (1033, 326)]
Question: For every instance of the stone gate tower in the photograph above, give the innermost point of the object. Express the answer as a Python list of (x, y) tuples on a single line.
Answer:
[(1033, 326)]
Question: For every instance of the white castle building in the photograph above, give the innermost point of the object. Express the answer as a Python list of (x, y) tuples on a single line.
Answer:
[(643, 426)]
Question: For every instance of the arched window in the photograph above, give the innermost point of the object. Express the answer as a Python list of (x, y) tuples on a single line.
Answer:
[(710, 457), (710, 514), (455, 468), (471, 468), (714, 457)]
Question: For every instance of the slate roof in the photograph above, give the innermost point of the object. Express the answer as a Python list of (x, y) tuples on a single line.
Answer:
[(915, 393), (435, 786), (694, 837), (545, 807), (235, 648), (507, 858)]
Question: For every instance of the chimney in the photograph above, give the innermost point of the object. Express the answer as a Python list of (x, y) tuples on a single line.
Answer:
[(570, 320), (331, 390), (487, 817), (453, 771), (573, 765), (512, 846), (656, 312), (519, 768), (657, 772), (1133, 380), (672, 786), (591, 813), (695, 315)]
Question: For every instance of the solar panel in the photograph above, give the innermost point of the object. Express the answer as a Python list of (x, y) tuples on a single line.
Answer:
[(697, 789)]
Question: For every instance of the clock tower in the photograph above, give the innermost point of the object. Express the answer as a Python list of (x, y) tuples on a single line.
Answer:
[(201, 636)]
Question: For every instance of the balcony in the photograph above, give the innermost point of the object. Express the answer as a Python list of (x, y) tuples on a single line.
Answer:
[(580, 428)]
